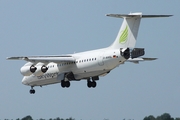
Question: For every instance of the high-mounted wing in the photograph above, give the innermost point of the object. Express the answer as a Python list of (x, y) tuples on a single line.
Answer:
[(56, 59)]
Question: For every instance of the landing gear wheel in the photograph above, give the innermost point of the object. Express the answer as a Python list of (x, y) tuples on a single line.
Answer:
[(32, 91), (91, 84), (65, 84)]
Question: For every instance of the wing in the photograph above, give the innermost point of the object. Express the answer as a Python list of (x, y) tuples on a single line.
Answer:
[(137, 60), (56, 59)]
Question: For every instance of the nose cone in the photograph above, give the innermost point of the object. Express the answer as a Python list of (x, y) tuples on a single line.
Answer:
[(24, 81)]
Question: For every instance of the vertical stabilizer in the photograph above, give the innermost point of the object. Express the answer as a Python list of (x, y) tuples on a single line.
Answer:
[(127, 34)]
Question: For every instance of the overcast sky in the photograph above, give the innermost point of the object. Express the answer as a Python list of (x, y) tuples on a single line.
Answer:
[(55, 27)]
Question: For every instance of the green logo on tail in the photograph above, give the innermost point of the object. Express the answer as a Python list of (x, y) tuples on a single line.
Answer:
[(124, 35)]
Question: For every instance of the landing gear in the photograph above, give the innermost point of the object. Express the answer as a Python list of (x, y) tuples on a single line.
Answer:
[(91, 84), (32, 91), (65, 84)]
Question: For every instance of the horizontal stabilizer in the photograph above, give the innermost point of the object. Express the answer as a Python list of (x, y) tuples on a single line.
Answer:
[(137, 60), (131, 15)]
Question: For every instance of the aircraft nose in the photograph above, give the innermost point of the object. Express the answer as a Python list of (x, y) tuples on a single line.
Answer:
[(24, 81)]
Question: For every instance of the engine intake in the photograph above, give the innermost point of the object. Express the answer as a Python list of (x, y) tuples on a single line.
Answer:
[(44, 68), (33, 68)]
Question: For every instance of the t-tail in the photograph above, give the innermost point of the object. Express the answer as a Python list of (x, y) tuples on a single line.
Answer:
[(128, 32)]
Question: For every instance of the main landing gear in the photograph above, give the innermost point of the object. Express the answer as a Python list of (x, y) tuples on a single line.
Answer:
[(65, 84), (32, 91), (91, 84)]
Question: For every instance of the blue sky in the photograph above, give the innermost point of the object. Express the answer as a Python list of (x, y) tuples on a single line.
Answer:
[(131, 91)]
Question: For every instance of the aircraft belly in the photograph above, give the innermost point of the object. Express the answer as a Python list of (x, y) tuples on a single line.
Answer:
[(84, 75), (42, 82)]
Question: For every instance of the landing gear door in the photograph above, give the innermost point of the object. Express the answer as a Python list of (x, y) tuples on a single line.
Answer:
[(60, 77)]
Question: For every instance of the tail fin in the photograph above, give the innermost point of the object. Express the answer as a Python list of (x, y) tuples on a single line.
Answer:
[(128, 32)]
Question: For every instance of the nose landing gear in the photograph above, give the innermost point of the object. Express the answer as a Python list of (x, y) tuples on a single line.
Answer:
[(32, 91)]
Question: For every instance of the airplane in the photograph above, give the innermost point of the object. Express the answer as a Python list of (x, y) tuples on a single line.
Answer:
[(88, 65)]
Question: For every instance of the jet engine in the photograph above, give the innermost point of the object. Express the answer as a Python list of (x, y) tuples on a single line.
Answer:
[(41, 69), (29, 69)]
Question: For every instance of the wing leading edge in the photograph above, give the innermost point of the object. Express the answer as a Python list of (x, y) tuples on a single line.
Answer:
[(56, 59)]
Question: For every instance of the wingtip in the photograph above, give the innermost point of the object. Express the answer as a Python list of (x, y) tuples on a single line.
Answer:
[(9, 58), (168, 15)]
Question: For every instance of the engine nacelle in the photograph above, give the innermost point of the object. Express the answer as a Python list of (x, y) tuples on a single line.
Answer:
[(28, 69), (125, 52), (37, 70), (41, 69)]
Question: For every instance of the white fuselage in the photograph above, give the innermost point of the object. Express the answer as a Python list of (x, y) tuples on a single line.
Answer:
[(88, 64)]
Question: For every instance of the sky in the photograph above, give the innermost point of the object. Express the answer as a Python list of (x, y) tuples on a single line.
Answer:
[(130, 91)]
